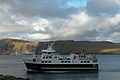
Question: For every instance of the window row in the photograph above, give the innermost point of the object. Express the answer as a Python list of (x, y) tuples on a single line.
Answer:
[(46, 61), (47, 57), (65, 61), (85, 61)]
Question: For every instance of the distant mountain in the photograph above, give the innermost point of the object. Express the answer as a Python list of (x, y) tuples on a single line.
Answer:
[(102, 47), (17, 46)]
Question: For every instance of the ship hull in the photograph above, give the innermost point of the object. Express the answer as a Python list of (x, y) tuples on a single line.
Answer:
[(62, 67)]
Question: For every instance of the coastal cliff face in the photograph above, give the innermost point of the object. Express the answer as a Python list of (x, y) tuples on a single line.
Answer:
[(16, 46), (102, 47)]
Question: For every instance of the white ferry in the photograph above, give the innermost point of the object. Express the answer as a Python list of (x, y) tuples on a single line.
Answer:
[(49, 60)]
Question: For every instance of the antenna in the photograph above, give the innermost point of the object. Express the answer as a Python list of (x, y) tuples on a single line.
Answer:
[(51, 45)]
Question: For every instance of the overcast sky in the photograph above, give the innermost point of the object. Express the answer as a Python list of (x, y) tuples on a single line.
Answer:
[(36, 20)]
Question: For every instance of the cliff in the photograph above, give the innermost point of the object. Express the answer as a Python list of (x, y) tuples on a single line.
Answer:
[(16, 46), (102, 47)]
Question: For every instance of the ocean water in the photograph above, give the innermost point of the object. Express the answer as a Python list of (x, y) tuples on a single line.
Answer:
[(109, 69)]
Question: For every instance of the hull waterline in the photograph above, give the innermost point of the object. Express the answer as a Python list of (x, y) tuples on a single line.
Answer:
[(62, 67)]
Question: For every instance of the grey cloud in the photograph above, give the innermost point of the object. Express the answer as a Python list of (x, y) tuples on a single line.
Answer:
[(42, 8), (103, 7), (87, 35), (94, 28), (64, 23)]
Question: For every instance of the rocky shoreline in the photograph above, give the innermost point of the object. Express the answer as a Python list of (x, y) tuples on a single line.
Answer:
[(8, 77)]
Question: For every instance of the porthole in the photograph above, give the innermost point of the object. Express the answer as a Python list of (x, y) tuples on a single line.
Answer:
[(34, 60), (61, 61), (50, 57), (88, 61)]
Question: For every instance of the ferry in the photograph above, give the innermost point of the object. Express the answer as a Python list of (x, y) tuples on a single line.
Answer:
[(50, 60)]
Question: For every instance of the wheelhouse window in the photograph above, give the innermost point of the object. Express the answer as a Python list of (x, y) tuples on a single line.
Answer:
[(42, 61), (48, 52), (55, 56), (60, 58), (68, 58), (81, 56)]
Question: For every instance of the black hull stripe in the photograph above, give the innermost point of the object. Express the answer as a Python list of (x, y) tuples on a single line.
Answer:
[(61, 67)]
